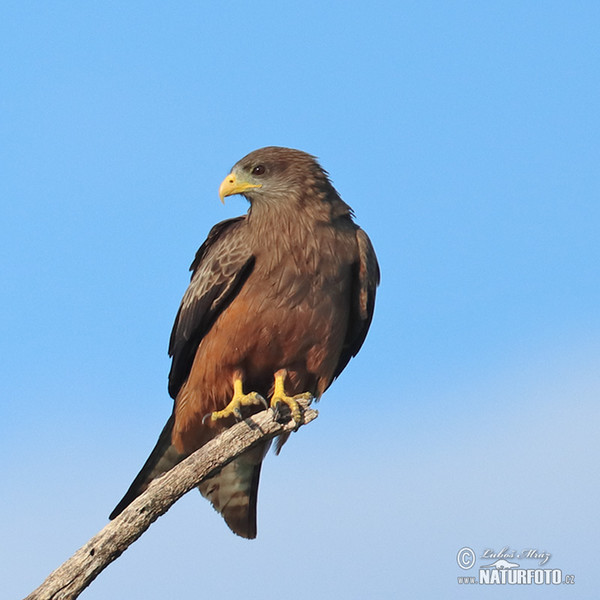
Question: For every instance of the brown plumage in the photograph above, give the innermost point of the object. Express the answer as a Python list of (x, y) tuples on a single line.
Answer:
[(287, 289)]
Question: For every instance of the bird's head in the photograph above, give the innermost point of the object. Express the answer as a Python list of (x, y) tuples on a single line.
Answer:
[(274, 174)]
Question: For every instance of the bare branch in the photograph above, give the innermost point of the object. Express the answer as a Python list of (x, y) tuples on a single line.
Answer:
[(73, 576)]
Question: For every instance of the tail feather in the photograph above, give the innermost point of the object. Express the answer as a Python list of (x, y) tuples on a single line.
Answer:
[(233, 491), (161, 459)]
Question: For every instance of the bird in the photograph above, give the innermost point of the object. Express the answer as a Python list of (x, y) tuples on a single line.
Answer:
[(280, 299)]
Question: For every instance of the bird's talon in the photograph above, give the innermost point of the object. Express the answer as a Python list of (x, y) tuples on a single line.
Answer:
[(281, 397), (234, 407), (292, 403), (260, 400)]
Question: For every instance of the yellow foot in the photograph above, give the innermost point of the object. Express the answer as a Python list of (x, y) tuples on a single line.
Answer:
[(280, 397), (239, 399)]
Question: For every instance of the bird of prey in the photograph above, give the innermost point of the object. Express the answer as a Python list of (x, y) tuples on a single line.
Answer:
[(279, 301)]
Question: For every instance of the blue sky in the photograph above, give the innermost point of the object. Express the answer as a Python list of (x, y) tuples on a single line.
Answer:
[(465, 136)]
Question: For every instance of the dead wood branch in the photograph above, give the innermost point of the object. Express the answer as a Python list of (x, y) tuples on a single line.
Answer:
[(73, 576)]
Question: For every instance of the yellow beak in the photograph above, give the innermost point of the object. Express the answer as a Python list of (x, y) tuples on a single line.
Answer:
[(231, 186)]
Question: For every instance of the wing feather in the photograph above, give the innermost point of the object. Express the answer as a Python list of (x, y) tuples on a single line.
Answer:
[(364, 285), (220, 268)]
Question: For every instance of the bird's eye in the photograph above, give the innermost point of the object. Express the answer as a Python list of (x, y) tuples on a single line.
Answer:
[(258, 170)]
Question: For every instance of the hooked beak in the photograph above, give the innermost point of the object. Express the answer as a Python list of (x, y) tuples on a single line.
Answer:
[(231, 185)]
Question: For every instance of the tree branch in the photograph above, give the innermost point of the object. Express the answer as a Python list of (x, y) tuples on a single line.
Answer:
[(73, 576)]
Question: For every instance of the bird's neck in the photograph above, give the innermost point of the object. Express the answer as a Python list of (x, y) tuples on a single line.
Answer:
[(297, 210), (272, 225), (294, 230)]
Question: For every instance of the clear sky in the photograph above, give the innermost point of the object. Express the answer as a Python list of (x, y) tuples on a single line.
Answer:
[(465, 135)]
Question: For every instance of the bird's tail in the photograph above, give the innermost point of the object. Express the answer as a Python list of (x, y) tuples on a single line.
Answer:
[(233, 491), (161, 459)]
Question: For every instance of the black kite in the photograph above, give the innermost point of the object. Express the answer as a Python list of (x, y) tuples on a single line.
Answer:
[(280, 299)]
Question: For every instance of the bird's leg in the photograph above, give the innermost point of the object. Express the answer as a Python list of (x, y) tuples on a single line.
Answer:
[(239, 399), (280, 396)]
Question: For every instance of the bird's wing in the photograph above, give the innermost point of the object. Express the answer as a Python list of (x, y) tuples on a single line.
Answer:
[(365, 281), (222, 265)]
